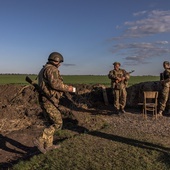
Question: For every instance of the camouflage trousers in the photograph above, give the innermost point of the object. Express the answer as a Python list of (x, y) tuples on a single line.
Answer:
[(54, 123), (119, 98), (165, 98)]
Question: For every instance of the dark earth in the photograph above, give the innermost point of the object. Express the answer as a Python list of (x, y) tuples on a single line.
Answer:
[(21, 118)]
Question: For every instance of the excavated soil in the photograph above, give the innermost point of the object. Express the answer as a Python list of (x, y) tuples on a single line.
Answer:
[(21, 118)]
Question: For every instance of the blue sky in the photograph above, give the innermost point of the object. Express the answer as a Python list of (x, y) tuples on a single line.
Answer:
[(90, 34)]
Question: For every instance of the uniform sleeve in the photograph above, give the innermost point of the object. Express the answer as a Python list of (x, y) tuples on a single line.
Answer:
[(167, 74), (54, 80), (111, 75), (126, 75)]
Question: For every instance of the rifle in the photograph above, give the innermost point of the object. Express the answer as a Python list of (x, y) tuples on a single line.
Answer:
[(41, 92), (127, 76), (131, 72)]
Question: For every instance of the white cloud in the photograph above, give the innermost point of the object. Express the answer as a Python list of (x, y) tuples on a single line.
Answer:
[(162, 42), (141, 52), (155, 22), (140, 13), (150, 23)]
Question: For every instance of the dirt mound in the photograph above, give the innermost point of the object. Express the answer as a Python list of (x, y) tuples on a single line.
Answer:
[(21, 117), (20, 109)]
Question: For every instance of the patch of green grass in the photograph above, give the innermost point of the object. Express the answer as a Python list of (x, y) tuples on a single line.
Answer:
[(103, 149), (138, 79), (75, 79), (14, 78)]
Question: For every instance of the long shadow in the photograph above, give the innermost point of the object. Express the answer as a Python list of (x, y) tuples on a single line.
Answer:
[(26, 152), (5, 139), (116, 138), (129, 141)]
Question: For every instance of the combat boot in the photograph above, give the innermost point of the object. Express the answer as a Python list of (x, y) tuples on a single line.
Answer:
[(52, 147), (40, 145), (160, 113), (123, 111)]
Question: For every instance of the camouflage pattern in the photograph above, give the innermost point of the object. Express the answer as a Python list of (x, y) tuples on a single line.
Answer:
[(51, 82), (119, 87), (54, 122), (165, 94), (119, 98)]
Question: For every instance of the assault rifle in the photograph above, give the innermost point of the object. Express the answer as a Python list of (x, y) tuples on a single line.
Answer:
[(130, 72), (127, 76), (41, 92)]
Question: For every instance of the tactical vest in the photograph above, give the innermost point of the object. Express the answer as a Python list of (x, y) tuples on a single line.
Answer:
[(44, 84), (118, 73), (166, 74)]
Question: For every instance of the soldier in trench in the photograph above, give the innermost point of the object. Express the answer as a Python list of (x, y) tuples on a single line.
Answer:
[(51, 82), (119, 81), (165, 93)]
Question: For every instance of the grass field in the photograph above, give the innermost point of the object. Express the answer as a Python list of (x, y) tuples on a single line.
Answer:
[(75, 79), (104, 149)]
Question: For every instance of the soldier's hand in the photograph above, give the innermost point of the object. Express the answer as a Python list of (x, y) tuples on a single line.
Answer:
[(123, 78), (72, 89), (120, 79)]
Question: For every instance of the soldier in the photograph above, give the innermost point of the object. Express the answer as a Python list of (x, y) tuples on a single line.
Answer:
[(119, 80), (165, 89), (51, 82)]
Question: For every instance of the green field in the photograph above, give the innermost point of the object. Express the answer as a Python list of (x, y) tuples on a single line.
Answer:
[(75, 79)]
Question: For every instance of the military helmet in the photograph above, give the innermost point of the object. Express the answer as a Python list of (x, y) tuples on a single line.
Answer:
[(166, 63), (55, 56), (115, 63)]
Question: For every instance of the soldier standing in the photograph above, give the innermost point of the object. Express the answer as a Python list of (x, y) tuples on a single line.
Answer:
[(51, 82), (165, 89), (119, 80)]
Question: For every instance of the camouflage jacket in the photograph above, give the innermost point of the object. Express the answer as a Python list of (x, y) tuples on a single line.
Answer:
[(166, 75), (114, 74), (51, 82)]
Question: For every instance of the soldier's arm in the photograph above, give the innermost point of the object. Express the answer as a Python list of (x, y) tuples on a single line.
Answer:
[(55, 82), (166, 76), (112, 76), (126, 75)]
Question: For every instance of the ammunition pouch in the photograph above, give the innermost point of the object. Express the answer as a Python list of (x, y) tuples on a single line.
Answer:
[(116, 86)]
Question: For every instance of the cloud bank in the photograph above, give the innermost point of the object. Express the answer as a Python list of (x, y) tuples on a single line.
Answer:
[(150, 23)]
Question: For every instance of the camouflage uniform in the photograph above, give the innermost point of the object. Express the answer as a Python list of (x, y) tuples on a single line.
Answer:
[(165, 95), (51, 82), (119, 88)]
